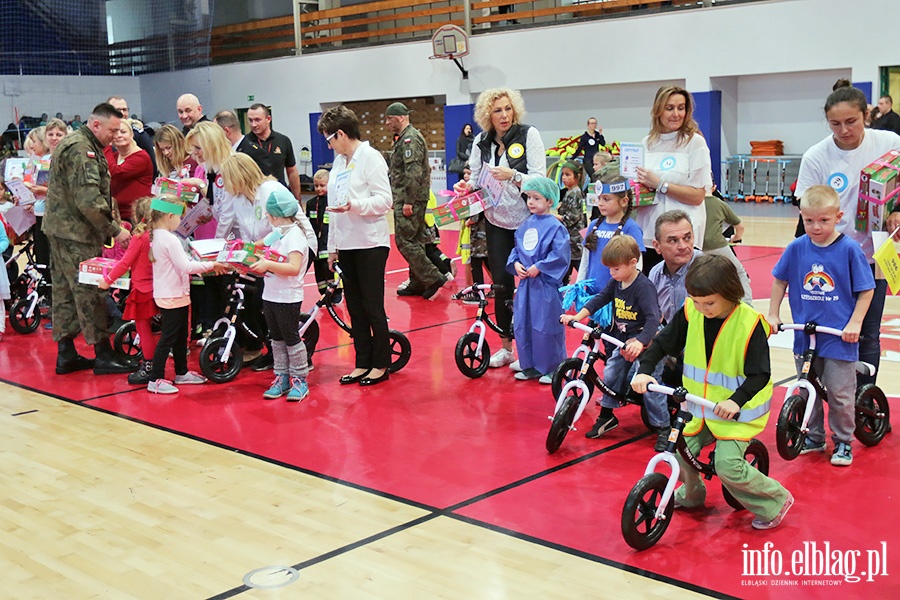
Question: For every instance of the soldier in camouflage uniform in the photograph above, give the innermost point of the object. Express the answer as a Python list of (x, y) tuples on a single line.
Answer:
[(81, 218), (411, 184)]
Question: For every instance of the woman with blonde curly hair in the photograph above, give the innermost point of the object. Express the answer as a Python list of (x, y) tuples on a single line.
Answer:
[(513, 153), (677, 167)]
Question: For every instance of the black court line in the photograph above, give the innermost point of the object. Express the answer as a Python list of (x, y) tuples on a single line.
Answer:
[(434, 512), (53, 395), (24, 412)]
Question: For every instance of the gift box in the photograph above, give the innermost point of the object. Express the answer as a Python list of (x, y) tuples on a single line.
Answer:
[(643, 196), (243, 255), (183, 191), (93, 270), (458, 208), (879, 185)]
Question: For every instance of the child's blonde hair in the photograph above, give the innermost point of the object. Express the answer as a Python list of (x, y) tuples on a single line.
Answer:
[(820, 196), (620, 250), (321, 175), (141, 215)]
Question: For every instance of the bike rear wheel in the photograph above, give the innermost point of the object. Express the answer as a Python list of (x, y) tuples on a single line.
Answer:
[(873, 415)]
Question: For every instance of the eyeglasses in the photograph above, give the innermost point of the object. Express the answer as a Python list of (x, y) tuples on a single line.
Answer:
[(328, 138)]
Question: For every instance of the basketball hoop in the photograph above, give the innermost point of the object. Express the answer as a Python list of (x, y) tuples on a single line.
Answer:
[(451, 42)]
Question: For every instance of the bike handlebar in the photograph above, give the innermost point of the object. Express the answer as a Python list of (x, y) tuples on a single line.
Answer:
[(810, 328), (681, 394), (596, 333), (481, 287)]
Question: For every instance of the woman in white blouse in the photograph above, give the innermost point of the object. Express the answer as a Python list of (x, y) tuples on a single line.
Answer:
[(509, 153), (359, 198), (676, 165)]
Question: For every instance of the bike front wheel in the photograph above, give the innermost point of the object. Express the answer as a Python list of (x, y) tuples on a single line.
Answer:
[(468, 361), (215, 366), (640, 526), (788, 435)]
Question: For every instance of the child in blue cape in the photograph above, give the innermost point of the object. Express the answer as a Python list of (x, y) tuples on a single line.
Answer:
[(540, 259)]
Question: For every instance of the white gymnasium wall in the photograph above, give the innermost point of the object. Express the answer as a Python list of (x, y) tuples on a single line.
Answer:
[(774, 91), (160, 92), (786, 106), (69, 95)]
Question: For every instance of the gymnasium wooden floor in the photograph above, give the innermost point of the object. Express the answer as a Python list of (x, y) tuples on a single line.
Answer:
[(429, 486)]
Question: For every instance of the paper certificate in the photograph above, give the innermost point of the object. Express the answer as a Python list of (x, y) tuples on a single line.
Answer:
[(631, 156), (341, 189), (20, 191), (493, 187)]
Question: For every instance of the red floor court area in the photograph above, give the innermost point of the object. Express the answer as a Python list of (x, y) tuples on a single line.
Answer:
[(474, 450)]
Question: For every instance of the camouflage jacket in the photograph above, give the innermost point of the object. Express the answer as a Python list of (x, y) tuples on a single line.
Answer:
[(79, 206), (409, 171)]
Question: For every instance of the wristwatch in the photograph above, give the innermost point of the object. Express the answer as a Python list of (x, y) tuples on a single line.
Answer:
[(517, 177), (663, 187)]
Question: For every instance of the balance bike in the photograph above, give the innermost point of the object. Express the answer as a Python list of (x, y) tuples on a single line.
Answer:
[(400, 348), (872, 411), (25, 313), (472, 351), (221, 358), (575, 393), (648, 508)]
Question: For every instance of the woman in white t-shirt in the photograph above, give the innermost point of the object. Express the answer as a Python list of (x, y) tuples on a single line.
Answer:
[(676, 165), (837, 161)]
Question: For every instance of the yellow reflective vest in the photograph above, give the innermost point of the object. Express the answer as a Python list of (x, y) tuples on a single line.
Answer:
[(724, 373)]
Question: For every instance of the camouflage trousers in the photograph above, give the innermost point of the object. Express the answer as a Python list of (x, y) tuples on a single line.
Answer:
[(410, 234), (76, 307)]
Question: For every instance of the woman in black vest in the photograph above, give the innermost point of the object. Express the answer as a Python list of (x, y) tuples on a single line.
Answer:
[(588, 145), (512, 153)]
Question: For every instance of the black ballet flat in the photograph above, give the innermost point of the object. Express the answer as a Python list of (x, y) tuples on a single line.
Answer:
[(366, 381), (347, 379)]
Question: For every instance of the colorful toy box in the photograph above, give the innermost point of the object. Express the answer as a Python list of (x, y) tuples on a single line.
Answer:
[(458, 208), (183, 191), (242, 255), (92, 271), (879, 185)]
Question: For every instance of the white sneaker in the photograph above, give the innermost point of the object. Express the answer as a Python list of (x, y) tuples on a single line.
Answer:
[(546, 379), (450, 276), (161, 386), (515, 366), (190, 378), (501, 358), (403, 285)]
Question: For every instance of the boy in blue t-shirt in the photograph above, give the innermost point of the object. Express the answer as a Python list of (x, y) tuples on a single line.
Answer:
[(636, 319), (831, 284)]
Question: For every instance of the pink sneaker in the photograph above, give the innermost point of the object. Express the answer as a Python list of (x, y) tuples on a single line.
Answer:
[(759, 524)]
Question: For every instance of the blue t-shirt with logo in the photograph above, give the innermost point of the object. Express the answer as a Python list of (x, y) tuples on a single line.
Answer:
[(823, 283)]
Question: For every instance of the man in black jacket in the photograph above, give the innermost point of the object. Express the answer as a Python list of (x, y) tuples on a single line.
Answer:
[(889, 120)]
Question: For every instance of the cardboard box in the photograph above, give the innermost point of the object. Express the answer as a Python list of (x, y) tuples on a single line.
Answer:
[(92, 271), (879, 185), (183, 191), (243, 255), (458, 208)]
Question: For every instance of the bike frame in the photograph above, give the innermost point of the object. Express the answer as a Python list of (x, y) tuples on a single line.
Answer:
[(230, 321), (481, 317), (36, 277), (809, 379), (590, 359), (681, 396)]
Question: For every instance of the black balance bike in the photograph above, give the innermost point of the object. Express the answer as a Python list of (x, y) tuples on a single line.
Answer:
[(472, 351), (872, 411), (648, 509), (400, 348), (574, 381)]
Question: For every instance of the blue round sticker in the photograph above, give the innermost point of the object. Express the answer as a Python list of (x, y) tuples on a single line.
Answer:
[(838, 182), (667, 164)]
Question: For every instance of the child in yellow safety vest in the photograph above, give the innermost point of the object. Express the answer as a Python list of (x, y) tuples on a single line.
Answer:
[(726, 361)]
